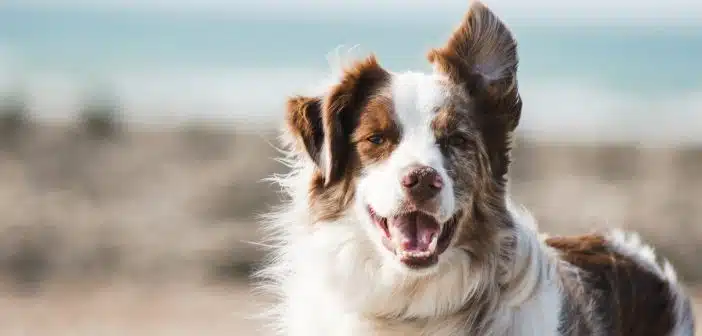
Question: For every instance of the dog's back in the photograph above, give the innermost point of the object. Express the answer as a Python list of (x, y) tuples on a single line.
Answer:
[(621, 288)]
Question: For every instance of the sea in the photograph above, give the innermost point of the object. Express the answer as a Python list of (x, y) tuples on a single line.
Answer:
[(590, 81)]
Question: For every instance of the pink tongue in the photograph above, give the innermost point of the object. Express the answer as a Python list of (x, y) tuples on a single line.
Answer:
[(413, 231)]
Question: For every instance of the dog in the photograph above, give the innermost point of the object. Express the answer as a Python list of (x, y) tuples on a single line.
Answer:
[(397, 218)]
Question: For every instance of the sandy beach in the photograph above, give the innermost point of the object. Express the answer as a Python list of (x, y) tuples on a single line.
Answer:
[(154, 231)]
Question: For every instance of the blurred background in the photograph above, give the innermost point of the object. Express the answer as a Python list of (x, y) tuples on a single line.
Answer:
[(134, 136)]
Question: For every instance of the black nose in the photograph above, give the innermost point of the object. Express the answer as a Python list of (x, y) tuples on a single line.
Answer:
[(421, 183)]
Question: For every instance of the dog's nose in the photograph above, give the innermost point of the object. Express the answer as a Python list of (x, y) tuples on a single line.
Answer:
[(422, 183)]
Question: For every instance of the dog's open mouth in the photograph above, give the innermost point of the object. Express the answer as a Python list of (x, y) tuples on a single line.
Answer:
[(416, 238)]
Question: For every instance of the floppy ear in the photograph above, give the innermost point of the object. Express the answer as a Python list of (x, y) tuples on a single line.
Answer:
[(481, 58), (304, 122), (325, 124), (341, 110)]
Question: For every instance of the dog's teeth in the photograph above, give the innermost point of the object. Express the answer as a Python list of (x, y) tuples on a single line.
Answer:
[(434, 242), (415, 254), (419, 254)]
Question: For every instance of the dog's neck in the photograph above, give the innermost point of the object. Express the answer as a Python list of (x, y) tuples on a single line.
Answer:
[(332, 269), (344, 266)]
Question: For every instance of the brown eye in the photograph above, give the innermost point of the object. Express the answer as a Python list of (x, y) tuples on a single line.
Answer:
[(376, 139), (457, 141)]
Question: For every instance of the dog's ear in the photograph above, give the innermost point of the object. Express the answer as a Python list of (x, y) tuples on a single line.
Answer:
[(481, 51), (341, 110), (481, 58), (304, 122)]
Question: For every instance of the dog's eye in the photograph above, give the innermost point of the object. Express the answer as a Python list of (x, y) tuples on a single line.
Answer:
[(457, 140), (376, 139)]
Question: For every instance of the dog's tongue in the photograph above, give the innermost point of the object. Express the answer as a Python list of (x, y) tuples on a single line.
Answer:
[(413, 232)]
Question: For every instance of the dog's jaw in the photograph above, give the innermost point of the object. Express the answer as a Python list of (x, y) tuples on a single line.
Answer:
[(415, 239), (411, 236)]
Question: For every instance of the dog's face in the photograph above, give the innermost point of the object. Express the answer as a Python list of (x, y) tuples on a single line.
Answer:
[(419, 159)]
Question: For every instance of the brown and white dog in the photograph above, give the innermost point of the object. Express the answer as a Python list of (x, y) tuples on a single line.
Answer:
[(399, 223)]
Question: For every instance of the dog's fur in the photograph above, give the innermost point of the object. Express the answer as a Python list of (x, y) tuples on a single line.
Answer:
[(339, 265)]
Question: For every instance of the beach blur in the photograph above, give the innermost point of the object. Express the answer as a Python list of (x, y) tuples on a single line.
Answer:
[(135, 137)]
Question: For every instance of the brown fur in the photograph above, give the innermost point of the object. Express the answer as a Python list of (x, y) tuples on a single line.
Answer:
[(304, 122), (467, 164), (343, 108), (481, 58), (343, 121), (628, 298), (378, 118), (474, 132), (483, 112)]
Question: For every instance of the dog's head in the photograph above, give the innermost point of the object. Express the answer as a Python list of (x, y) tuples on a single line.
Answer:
[(420, 159)]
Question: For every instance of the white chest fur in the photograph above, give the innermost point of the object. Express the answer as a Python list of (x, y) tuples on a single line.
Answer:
[(310, 317), (343, 290)]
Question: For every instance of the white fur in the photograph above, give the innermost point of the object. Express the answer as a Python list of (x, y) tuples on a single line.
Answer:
[(334, 278), (415, 97), (332, 281)]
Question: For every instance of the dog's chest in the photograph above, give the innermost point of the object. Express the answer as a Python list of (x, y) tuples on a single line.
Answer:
[(355, 325), (536, 317)]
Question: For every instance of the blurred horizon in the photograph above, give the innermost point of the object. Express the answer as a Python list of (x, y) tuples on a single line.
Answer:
[(135, 136), (598, 70)]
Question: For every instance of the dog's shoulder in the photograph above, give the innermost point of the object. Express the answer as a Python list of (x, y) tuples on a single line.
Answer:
[(624, 284)]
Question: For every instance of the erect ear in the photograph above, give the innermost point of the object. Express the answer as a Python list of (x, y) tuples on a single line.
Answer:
[(341, 110), (481, 58), (304, 122), (481, 51), (481, 55)]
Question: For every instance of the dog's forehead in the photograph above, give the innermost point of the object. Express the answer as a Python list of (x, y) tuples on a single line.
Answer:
[(416, 98)]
